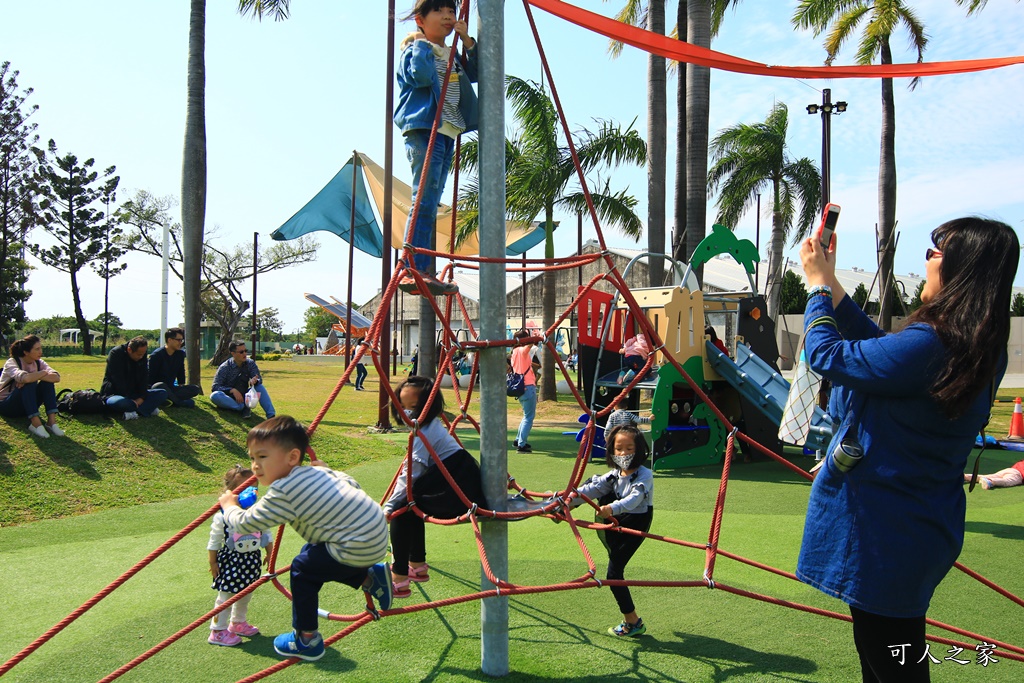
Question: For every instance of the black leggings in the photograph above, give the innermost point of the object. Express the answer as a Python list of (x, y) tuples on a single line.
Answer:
[(621, 548), (877, 639), (435, 496)]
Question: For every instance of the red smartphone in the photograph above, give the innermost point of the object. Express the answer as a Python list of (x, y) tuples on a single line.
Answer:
[(828, 225)]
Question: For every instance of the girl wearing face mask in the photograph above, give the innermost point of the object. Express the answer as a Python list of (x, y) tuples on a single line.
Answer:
[(627, 494), (432, 493)]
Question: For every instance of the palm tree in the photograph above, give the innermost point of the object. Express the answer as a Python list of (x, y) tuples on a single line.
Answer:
[(880, 19), (193, 166), (652, 15), (750, 159), (193, 183), (539, 168)]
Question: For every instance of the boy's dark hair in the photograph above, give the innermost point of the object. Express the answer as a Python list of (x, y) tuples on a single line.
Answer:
[(282, 430), (639, 442), (236, 476), (234, 344), (425, 385), (138, 342), (424, 7), (173, 332)]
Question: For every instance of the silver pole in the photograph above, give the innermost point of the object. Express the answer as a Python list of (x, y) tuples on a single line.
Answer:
[(493, 402), (165, 266)]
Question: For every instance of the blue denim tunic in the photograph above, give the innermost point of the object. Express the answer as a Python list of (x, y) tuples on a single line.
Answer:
[(882, 536)]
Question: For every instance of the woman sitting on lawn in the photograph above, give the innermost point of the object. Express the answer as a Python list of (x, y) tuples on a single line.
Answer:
[(26, 383)]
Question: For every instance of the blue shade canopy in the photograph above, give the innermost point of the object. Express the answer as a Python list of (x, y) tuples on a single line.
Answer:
[(331, 210)]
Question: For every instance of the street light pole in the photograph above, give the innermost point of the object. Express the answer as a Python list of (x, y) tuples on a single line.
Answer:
[(827, 108)]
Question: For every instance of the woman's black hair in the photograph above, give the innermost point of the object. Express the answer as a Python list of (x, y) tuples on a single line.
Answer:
[(425, 385), (424, 7), (639, 443), (282, 430), (971, 311), (23, 346)]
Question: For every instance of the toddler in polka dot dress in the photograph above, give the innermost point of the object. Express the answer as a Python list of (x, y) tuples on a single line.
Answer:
[(235, 564)]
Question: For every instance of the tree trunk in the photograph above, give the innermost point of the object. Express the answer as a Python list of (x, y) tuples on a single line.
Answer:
[(547, 361), (773, 285), (698, 104), (193, 183), (656, 145), (679, 244), (886, 196), (83, 326)]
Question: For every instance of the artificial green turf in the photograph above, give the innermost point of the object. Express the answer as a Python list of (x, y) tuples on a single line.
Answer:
[(694, 634)]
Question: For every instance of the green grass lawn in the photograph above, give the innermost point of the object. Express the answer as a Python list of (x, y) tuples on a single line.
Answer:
[(143, 481)]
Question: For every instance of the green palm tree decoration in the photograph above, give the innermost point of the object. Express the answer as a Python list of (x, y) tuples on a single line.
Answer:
[(750, 159), (539, 170), (879, 18)]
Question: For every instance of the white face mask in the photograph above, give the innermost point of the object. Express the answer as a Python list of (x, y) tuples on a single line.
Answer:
[(622, 461)]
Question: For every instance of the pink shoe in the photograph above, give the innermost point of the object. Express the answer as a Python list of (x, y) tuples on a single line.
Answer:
[(419, 574), (224, 637), (243, 629), (400, 589)]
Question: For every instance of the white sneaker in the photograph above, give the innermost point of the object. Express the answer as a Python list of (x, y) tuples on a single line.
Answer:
[(156, 412), (55, 430), (39, 431), (131, 415)]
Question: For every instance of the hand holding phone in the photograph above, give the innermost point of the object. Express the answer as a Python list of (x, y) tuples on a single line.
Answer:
[(828, 225)]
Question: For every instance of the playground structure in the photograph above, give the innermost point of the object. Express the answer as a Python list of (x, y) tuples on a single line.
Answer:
[(684, 430), (673, 320)]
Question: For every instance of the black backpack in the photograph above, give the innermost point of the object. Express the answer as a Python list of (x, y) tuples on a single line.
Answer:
[(81, 402)]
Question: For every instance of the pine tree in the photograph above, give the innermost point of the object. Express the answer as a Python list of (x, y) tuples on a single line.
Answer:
[(17, 163), (68, 190)]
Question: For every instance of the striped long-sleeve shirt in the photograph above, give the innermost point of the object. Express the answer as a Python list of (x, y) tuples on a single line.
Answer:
[(323, 506)]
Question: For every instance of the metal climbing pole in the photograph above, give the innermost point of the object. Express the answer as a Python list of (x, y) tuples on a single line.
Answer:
[(493, 401)]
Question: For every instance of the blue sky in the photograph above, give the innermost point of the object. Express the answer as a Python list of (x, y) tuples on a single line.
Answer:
[(288, 102)]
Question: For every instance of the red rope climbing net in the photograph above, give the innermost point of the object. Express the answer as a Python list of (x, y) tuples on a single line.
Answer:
[(555, 509)]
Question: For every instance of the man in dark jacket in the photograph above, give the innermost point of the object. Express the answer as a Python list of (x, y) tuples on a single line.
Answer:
[(167, 370), (126, 381)]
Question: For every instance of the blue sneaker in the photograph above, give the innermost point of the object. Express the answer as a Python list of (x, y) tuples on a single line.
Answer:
[(380, 584), (289, 645)]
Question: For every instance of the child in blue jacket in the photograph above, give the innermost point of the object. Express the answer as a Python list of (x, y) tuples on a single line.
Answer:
[(422, 68)]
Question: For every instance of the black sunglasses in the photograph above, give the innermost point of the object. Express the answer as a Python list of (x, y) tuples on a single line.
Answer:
[(241, 350), (930, 253)]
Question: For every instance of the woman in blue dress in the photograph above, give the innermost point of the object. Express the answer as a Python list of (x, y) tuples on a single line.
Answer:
[(885, 519)]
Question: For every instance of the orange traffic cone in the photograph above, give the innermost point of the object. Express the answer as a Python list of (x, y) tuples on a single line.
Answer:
[(1017, 422)]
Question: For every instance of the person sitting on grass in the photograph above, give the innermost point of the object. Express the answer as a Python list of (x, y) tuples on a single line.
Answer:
[(346, 531), (126, 381), (167, 370), (26, 383), (235, 565), (430, 490), (1003, 479), (627, 494), (233, 379)]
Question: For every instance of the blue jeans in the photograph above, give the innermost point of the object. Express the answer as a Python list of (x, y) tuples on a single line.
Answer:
[(152, 400), (311, 569), (528, 402), (25, 401), (416, 142), (225, 400)]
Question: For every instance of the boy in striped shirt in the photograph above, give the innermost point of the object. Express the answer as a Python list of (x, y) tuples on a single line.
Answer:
[(345, 530)]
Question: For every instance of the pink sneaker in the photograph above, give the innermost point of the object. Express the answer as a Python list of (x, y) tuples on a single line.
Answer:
[(400, 589), (419, 574), (243, 629), (224, 637)]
